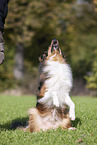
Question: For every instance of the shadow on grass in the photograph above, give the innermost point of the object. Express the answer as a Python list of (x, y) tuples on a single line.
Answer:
[(23, 122), (76, 122), (16, 123)]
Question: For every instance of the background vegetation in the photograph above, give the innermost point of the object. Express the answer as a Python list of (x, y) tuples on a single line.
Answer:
[(30, 27)]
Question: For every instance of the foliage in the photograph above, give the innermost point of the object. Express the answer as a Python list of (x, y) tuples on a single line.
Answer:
[(6, 70), (36, 23), (92, 77), (14, 109)]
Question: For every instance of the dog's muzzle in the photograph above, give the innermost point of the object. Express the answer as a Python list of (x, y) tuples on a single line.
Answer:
[(54, 45)]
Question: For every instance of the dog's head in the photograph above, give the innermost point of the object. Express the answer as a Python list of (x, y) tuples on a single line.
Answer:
[(54, 47), (54, 52)]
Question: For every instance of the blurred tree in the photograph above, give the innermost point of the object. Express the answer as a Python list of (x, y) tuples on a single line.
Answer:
[(31, 25), (35, 23), (92, 79), (92, 76), (95, 5), (84, 28), (19, 61), (15, 30)]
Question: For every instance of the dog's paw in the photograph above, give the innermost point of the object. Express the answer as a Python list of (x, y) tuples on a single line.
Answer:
[(55, 99), (56, 103), (72, 128), (72, 116)]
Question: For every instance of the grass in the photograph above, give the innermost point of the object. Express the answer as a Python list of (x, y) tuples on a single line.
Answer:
[(14, 109)]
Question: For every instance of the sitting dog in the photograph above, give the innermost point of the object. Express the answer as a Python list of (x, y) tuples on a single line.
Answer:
[(53, 100)]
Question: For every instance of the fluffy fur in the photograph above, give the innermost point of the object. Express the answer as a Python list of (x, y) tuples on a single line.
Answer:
[(55, 82)]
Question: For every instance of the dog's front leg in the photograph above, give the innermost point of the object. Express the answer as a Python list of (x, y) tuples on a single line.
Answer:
[(71, 105), (55, 99)]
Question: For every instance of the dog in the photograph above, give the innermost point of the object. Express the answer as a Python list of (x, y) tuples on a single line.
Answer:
[(53, 100)]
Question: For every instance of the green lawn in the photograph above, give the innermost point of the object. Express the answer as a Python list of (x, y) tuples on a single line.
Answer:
[(14, 109)]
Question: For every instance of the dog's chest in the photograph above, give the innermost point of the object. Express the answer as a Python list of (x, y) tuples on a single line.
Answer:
[(58, 83), (59, 75)]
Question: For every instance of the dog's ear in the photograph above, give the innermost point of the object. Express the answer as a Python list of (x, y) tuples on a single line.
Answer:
[(49, 51), (50, 48), (60, 51), (42, 58)]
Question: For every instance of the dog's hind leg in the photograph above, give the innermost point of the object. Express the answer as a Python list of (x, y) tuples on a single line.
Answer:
[(66, 123), (35, 120)]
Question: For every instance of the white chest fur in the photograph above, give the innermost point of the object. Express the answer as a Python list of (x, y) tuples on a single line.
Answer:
[(58, 84)]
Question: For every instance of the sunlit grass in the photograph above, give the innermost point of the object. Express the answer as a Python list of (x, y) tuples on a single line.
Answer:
[(14, 109)]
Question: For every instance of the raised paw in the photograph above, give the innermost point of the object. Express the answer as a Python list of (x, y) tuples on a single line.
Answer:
[(72, 116)]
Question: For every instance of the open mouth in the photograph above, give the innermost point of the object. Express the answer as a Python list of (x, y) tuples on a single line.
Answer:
[(52, 50), (55, 46)]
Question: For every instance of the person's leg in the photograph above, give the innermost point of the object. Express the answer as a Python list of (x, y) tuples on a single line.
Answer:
[(1, 48), (3, 14)]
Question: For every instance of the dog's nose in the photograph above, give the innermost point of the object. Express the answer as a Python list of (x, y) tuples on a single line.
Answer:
[(54, 44), (55, 41)]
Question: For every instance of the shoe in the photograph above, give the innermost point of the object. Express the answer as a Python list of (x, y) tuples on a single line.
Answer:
[(1, 48)]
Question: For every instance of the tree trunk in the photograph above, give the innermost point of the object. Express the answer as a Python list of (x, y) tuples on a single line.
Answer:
[(19, 61), (80, 2)]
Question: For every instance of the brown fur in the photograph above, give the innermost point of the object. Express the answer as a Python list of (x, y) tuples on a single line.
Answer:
[(57, 57), (40, 93), (38, 118), (37, 121), (41, 117)]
